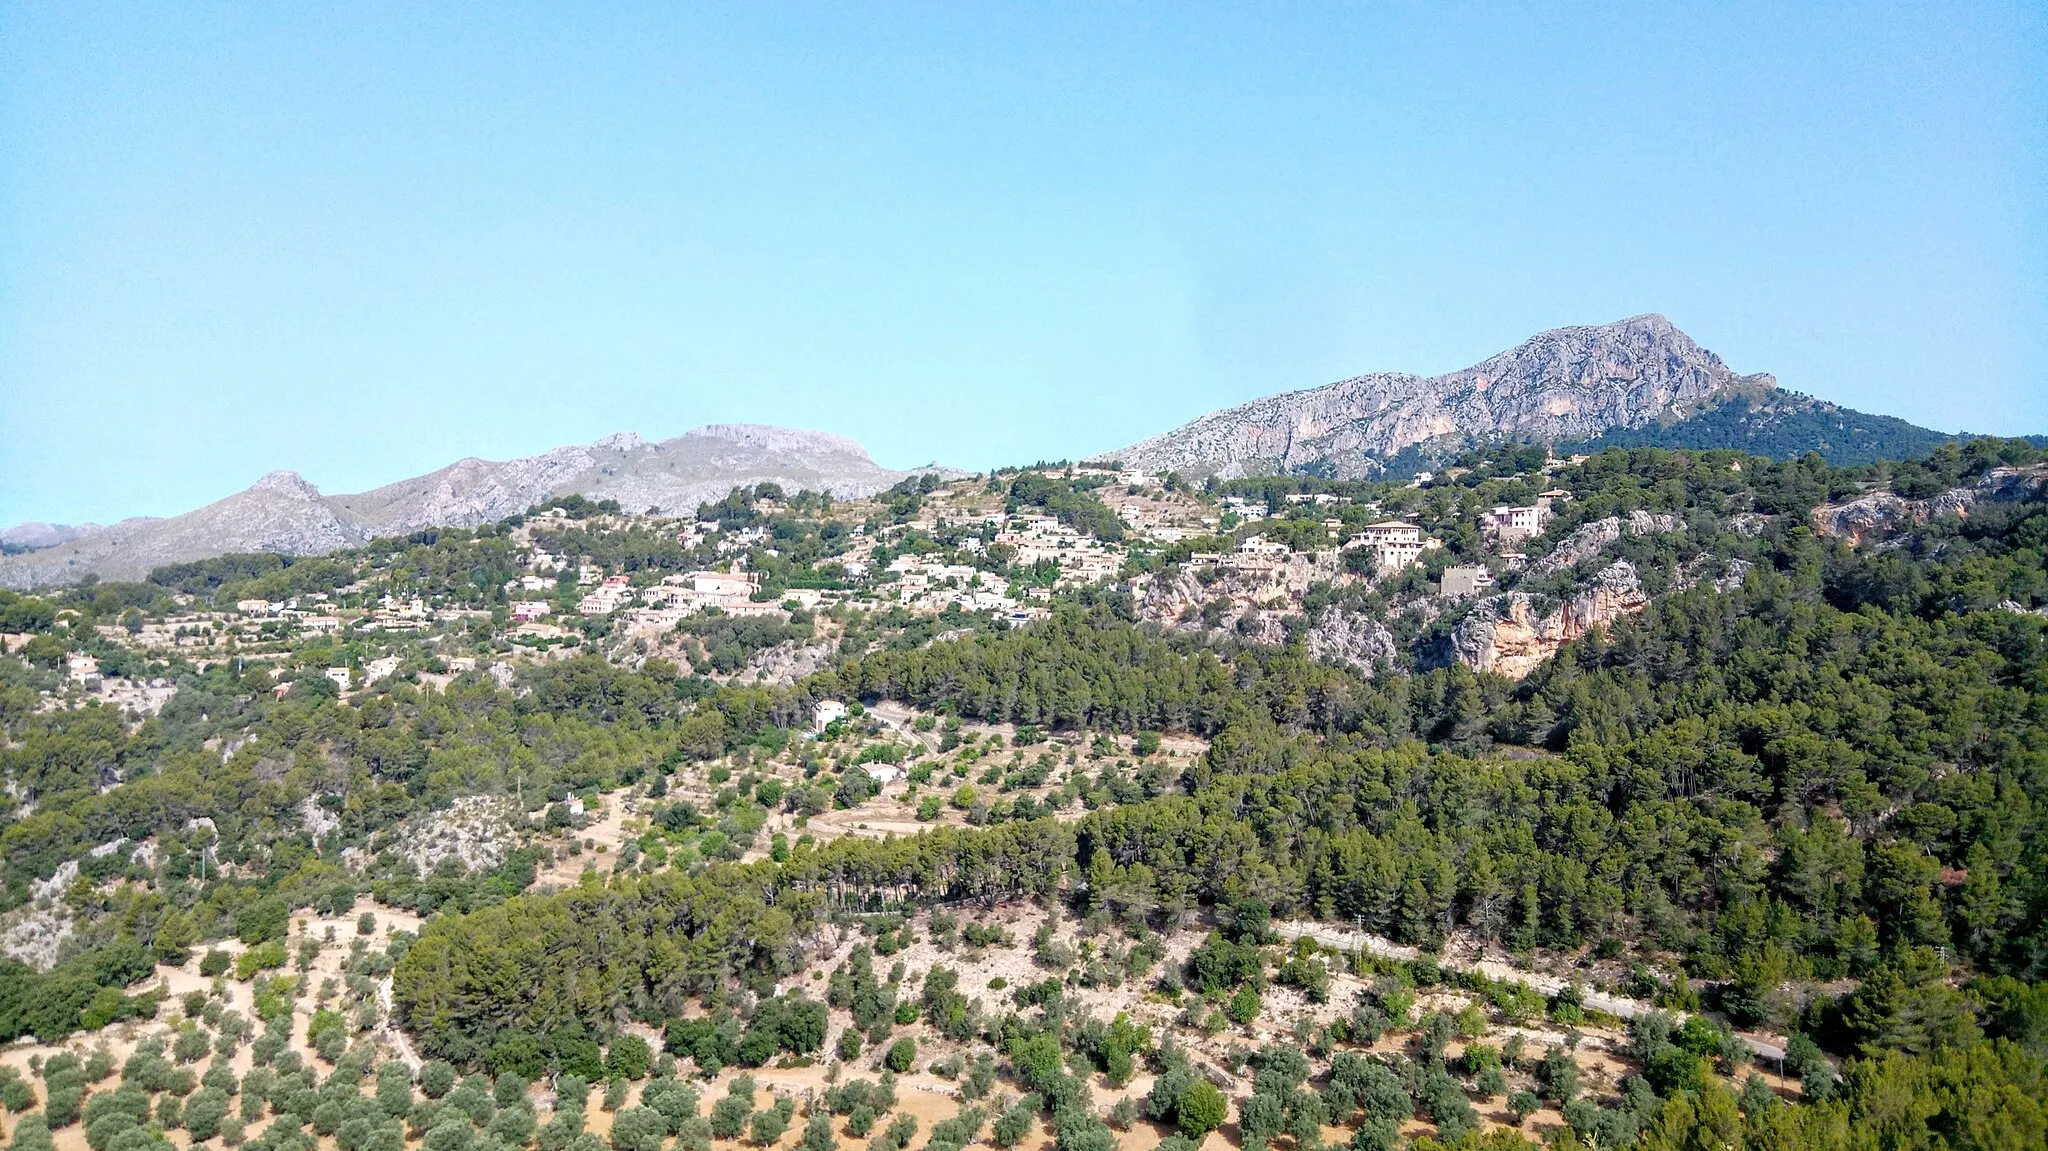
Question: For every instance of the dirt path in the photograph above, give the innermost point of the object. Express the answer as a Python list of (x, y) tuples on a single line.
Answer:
[(1766, 1046)]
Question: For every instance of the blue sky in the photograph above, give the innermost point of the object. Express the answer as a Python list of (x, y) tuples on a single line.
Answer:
[(364, 240)]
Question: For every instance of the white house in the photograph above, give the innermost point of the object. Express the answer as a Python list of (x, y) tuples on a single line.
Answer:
[(1399, 544), (828, 712), (1507, 523), (1389, 532)]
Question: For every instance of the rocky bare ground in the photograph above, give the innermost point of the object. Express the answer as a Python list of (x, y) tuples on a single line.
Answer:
[(476, 831), (34, 932), (1179, 596)]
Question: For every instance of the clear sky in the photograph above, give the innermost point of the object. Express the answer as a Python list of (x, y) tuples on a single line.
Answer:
[(363, 240)]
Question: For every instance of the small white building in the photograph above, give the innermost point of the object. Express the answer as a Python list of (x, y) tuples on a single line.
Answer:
[(828, 712)]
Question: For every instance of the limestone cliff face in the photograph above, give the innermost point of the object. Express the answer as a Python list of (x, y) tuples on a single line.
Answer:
[(1589, 539), (1351, 638), (1882, 513), (1503, 633), (1566, 384), (1169, 598)]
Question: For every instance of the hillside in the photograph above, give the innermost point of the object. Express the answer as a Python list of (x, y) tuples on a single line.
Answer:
[(284, 514), (420, 842), (1781, 425), (1637, 381)]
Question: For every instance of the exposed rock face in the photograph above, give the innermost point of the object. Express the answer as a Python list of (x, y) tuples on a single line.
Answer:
[(1503, 634), (35, 932), (1883, 513), (283, 513), (1570, 383), (1263, 627), (1351, 638), (475, 830), (1695, 572), (1590, 539), (1169, 598), (787, 662), (318, 820)]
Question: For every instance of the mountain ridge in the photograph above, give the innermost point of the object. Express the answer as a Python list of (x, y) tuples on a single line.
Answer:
[(283, 512), (1566, 385)]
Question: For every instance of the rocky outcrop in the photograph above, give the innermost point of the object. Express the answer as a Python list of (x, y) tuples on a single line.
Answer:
[(1883, 514), (283, 513), (789, 661), (1262, 627), (1566, 384), (1590, 539), (35, 932), (1698, 570), (1179, 595), (1351, 638), (1503, 634), (475, 830)]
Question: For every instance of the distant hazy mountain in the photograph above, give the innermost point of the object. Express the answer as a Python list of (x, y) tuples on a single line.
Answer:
[(283, 513), (36, 534), (1639, 381)]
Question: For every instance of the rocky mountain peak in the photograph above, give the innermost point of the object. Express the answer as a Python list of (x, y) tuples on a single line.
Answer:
[(1564, 384), (286, 483)]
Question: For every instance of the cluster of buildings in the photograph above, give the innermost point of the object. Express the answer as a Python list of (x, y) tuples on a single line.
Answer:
[(306, 611), (611, 594), (925, 586), (676, 597), (1082, 559)]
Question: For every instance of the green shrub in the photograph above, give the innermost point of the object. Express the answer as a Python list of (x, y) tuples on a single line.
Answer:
[(902, 1055), (261, 957), (1200, 1109)]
